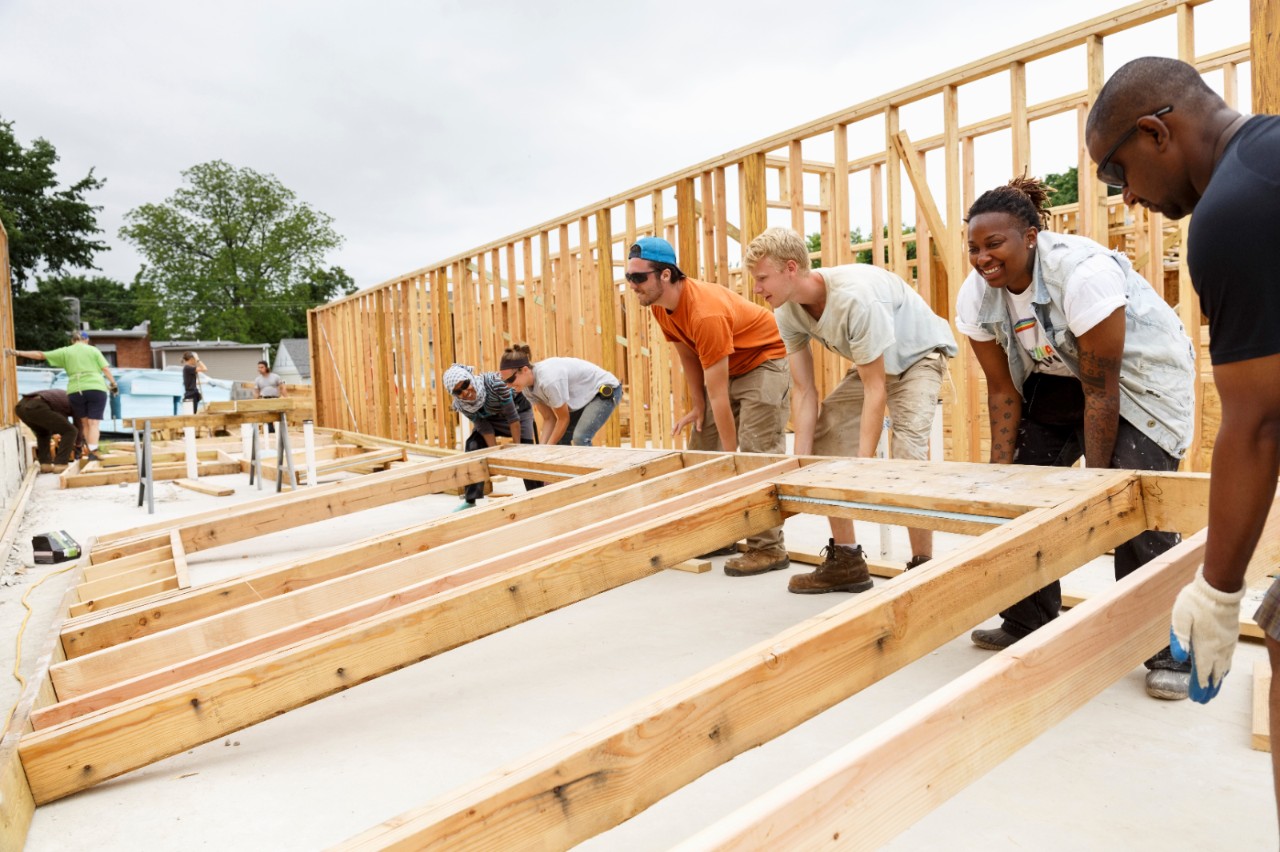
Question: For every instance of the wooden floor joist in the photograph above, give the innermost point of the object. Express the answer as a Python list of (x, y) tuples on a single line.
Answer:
[(84, 635), (82, 752), (151, 679), (924, 755), (635, 757)]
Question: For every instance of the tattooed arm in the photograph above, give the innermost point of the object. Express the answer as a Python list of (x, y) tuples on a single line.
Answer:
[(1101, 349), (1004, 402)]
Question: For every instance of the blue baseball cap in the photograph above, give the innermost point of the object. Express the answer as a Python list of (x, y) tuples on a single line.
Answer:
[(654, 248)]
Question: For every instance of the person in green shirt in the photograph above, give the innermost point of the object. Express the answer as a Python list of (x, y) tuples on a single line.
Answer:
[(88, 377)]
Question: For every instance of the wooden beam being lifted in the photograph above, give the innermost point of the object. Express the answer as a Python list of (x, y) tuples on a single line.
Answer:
[(633, 758), (80, 753)]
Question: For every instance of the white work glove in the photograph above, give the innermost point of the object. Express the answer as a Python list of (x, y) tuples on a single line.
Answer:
[(1206, 624)]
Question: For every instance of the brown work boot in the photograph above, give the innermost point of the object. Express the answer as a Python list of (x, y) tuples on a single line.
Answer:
[(757, 562), (844, 569), (917, 561)]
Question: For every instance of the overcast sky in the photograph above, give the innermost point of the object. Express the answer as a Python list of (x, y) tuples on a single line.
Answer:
[(427, 128)]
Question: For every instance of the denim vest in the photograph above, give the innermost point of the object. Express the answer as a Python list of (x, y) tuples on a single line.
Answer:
[(1157, 370)]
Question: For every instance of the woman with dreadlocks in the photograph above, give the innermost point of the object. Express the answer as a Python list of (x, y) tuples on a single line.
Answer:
[(493, 409), (1081, 357)]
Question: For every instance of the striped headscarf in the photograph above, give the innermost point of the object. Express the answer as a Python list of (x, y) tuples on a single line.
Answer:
[(460, 373)]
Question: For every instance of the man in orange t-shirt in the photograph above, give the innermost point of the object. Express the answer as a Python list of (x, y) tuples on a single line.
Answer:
[(735, 365)]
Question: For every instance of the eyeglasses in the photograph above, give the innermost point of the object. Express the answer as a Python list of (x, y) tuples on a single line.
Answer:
[(1112, 174), (462, 387), (511, 379), (641, 277)]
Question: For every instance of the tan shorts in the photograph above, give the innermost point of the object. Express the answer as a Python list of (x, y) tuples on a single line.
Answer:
[(912, 402), (761, 402), (1268, 614)]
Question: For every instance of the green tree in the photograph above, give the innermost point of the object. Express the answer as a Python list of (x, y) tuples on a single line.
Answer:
[(48, 228), (234, 254), (814, 242), (1066, 187), (40, 320), (104, 302)]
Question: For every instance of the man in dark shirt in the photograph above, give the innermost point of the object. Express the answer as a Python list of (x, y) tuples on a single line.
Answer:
[(48, 413), (1174, 145)]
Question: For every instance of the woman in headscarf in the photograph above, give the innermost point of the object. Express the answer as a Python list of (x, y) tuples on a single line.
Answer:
[(494, 410)]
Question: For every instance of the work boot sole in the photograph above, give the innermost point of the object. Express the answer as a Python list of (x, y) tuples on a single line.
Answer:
[(738, 572), (843, 587), (1167, 686), (987, 645)]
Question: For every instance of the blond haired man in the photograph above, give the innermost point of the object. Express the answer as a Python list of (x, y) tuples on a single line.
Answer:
[(899, 349)]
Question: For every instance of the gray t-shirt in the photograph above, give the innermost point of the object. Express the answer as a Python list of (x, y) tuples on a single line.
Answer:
[(567, 381), (869, 312), (268, 385)]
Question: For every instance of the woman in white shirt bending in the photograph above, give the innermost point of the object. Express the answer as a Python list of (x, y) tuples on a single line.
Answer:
[(573, 397)]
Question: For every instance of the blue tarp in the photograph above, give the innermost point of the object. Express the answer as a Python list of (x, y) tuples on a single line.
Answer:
[(143, 393)]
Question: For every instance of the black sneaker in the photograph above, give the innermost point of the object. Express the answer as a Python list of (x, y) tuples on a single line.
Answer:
[(93, 456)]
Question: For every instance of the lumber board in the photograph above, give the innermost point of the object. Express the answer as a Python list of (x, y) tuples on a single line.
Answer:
[(368, 458), (159, 472), (92, 633), (141, 575), (1260, 728), (80, 753), (286, 618), (205, 487), (111, 567), (920, 757), (1177, 502), (125, 596), (693, 566), (200, 421), (640, 754), (375, 441), (298, 508), (179, 560), (998, 491)]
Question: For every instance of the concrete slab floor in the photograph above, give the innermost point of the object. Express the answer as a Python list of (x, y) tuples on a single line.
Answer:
[(1126, 771)]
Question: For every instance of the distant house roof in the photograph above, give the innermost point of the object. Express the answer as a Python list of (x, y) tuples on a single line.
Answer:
[(204, 344), (298, 352), (138, 331)]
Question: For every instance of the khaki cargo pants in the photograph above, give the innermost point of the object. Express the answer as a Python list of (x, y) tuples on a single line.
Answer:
[(761, 402)]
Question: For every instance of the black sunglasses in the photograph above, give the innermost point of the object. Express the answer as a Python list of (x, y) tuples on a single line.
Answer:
[(1112, 174), (511, 379), (641, 277), (461, 387)]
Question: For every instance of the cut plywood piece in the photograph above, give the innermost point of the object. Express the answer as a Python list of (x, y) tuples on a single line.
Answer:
[(693, 566), (1261, 730), (205, 487)]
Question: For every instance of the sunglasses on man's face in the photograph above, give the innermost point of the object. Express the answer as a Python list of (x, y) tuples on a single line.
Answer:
[(1112, 174), (641, 277), (462, 387)]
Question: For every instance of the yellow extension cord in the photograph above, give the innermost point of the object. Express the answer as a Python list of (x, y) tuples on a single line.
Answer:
[(17, 648)]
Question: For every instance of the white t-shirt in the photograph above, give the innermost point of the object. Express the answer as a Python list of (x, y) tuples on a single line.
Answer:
[(567, 381), (869, 312), (1094, 291)]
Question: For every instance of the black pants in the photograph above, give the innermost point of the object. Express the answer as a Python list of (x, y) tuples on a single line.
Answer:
[(475, 441), (45, 423), (1060, 443)]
